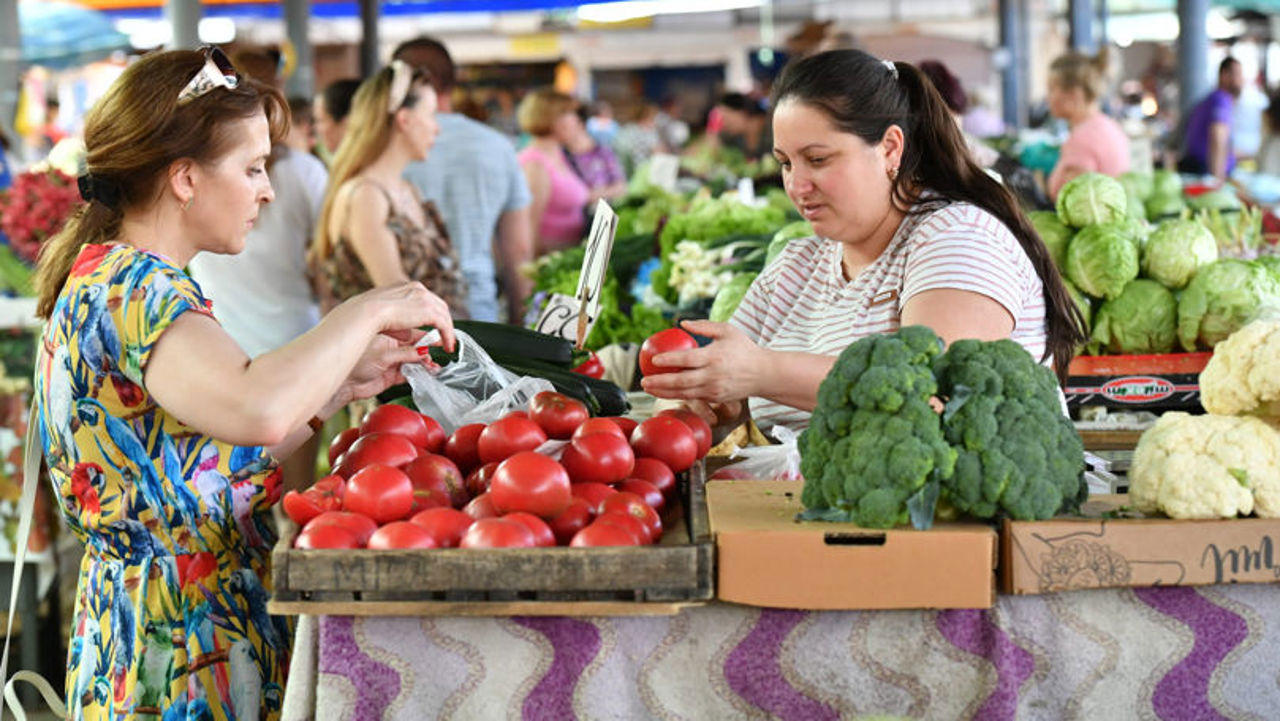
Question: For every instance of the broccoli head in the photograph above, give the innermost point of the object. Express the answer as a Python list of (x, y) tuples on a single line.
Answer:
[(1018, 454)]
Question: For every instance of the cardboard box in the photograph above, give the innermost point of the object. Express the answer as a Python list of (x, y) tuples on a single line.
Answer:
[(1098, 551), (1168, 382), (765, 557)]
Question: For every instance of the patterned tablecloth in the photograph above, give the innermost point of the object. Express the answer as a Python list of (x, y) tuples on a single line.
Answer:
[(1157, 653)]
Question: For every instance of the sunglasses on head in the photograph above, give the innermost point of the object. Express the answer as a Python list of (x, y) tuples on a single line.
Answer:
[(217, 72)]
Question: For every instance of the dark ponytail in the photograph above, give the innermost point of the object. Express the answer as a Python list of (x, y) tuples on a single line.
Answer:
[(863, 96)]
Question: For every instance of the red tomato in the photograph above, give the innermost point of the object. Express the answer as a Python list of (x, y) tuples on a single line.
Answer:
[(361, 526), (701, 431), (430, 472), (480, 507), (446, 525), (592, 366), (401, 534), (341, 443), (572, 519), (667, 439), (323, 495), (633, 525), (542, 534), (497, 533), (664, 341), (393, 418), (435, 434), (634, 506), (530, 482), (508, 436), (382, 493), (383, 449), (729, 473), (593, 493), (517, 414), (557, 414), (600, 425), (657, 473), (461, 447), (598, 458), (327, 536), (603, 534), (479, 480), (626, 424), (646, 490)]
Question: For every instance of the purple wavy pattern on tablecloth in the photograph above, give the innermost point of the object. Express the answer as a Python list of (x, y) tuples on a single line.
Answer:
[(376, 684), (972, 630), (754, 670), (576, 643), (1183, 693)]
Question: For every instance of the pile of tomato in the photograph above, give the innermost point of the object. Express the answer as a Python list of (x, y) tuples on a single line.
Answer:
[(399, 482)]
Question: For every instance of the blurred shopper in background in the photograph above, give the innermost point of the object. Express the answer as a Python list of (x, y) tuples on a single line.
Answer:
[(558, 212), (744, 124), (601, 124), (594, 163), (1206, 144), (302, 126), (952, 92), (1269, 151), (331, 108), (1096, 143), (474, 178), (375, 230)]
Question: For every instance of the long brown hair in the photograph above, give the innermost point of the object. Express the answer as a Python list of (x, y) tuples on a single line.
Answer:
[(862, 96), (133, 134), (368, 135)]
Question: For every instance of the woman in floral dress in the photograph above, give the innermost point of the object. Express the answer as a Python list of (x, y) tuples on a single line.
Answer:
[(160, 434)]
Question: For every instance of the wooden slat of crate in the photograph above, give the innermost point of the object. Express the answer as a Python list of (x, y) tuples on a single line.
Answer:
[(1110, 440), (656, 579)]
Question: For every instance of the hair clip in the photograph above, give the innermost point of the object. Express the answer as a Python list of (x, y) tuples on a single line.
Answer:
[(893, 69), (401, 78)]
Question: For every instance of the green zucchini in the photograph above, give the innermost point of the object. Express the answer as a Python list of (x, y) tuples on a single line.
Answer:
[(510, 340)]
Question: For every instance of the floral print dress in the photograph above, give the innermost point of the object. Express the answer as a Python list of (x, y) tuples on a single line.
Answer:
[(171, 609)]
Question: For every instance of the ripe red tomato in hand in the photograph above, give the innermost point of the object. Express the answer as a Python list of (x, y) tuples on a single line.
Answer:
[(645, 490), (632, 505), (530, 482), (667, 439), (383, 449), (446, 525), (461, 447), (394, 418), (664, 341), (598, 458), (542, 533), (603, 533), (382, 493), (341, 443), (508, 436), (593, 493), (497, 533), (701, 431), (557, 414), (480, 507), (478, 481), (430, 472), (657, 473), (323, 495), (572, 519), (401, 534), (600, 425), (361, 526)]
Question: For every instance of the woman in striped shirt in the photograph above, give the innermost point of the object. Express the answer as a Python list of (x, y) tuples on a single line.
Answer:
[(909, 231)]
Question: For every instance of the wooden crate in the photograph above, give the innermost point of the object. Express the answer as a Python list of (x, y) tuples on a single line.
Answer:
[(613, 581)]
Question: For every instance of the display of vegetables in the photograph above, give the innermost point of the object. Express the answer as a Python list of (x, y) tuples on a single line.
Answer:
[(1142, 319), (1221, 299), (1102, 259)]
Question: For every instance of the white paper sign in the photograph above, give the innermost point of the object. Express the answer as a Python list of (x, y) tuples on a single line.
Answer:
[(747, 191), (663, 170), (573, 318)]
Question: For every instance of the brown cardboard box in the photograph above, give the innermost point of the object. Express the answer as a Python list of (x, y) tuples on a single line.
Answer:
[(765, 557), (1098, 551)]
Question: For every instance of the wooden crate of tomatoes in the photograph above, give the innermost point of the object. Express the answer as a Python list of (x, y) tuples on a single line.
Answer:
[(544, 511)]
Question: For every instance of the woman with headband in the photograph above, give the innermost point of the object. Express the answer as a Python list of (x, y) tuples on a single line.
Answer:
[(374, 230), (908, 231), (160, 434)]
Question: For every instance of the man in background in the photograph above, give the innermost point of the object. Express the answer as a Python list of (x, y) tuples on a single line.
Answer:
[(474, 179), (1207, 148)]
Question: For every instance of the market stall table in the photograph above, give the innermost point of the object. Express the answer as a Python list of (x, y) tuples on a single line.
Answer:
[(1170, 653)]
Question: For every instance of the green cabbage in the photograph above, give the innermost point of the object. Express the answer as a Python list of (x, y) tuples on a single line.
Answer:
[(1160, 207), (1222, 199), (1082, 302), (1055, 234), (1142, 319), (1138, 185), (1221, 298), (730, 296), (1167, 183), (1092, 199), (786, 234), (1101, 260), (1271, 263), (1176, 250)]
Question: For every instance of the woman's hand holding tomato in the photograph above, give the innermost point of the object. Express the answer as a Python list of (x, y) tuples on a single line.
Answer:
[(729, 369)]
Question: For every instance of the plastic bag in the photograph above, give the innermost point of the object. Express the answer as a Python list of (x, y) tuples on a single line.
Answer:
[(778, 462), (472, 389)]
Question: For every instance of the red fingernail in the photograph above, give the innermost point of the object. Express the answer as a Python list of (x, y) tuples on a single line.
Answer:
[(423, 350)]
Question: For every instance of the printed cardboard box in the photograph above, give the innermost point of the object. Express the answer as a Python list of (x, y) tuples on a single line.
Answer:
[(765, 557), (1108, 548), (1168, 382)]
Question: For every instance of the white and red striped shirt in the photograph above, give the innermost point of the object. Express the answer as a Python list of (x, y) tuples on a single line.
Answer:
[(802, 301)]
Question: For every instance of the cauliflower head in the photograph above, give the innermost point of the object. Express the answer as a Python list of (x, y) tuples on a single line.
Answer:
[(1208, 466), (1243, 376)]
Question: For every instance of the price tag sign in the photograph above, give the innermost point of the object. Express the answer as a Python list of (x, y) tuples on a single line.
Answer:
[(663, 170), (747, 191), (573, 318)]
